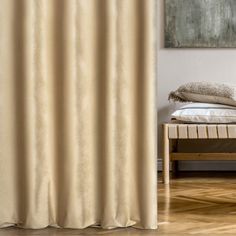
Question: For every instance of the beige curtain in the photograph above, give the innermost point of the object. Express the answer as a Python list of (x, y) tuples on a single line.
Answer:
[(77, 113)]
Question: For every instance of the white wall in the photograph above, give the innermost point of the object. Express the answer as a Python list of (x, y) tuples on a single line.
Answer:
[(178, 66)]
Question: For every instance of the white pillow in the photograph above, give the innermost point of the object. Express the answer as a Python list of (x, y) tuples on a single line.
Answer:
[(206, 113)]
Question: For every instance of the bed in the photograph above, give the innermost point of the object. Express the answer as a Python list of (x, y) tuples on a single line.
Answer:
[(210, 114), (176, 130)]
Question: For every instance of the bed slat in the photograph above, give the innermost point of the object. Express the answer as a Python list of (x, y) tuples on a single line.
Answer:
[(183, 131), (173, 133), (222, 131), (202, 131), (232, 131), (192, 131), (212, 131)]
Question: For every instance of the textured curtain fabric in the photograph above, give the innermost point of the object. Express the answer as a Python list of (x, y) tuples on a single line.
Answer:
[(77, 113)]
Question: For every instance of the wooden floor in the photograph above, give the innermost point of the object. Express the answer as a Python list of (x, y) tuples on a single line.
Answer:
[(198, 204), (194, 204)]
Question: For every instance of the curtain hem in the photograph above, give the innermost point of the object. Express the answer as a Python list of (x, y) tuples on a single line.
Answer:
[(94, 225)]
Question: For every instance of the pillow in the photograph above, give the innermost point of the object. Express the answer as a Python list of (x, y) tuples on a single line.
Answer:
[(205, 113), (206, 92)]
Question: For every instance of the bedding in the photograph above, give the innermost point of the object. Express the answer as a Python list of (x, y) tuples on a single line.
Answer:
[(205, 113), (205, 92)]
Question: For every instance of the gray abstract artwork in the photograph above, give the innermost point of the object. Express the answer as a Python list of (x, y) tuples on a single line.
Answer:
[(200, 23)]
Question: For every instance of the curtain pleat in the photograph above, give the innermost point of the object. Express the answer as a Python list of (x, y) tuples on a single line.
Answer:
[(77, 114)]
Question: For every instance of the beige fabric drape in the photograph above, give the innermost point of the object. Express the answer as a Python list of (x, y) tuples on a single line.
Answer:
[(77, 113)]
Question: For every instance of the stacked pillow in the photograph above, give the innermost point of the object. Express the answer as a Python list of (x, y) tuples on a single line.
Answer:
[(211, 102)]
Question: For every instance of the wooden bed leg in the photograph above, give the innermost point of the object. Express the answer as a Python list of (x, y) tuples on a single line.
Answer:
[(166, 156)]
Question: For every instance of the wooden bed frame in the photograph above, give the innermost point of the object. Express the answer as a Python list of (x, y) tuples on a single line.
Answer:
[(175, 131)]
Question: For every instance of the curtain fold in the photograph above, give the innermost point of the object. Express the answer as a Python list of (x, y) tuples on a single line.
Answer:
[(77, 113)]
